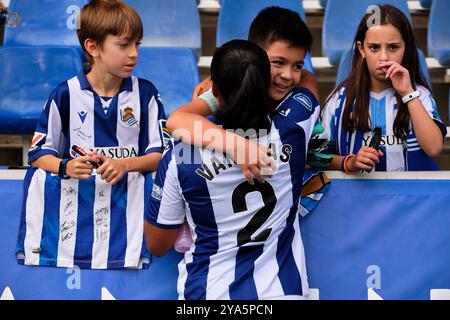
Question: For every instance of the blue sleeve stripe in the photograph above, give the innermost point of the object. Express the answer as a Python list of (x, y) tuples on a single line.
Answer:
[(162, 226), (36, 154), (158, 150)]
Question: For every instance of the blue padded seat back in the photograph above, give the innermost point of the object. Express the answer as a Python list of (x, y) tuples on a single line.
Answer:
[(439, 32), (169, 23), (341, 21), (235, 17), (28, 76), (173, 71), (44, 23)]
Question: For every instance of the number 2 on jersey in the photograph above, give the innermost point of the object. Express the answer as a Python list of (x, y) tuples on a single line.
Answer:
[(239, 204)]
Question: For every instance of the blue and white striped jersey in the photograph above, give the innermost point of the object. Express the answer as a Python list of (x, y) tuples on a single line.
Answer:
[(399, 154), (94, 234), (247, 241), (84, 223), (75, 115)]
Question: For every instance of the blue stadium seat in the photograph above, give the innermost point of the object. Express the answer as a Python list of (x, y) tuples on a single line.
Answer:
[(235, 17), (28, 76), (346, 64), (172, 70), (341, 20), (439, 32), (44, 22), (426, 3), (170, 23)]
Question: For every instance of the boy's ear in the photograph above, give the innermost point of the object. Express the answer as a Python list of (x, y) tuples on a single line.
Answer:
[(91, 47), (360, 49)]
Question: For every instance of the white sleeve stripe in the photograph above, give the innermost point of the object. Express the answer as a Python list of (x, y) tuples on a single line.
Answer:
[(171, 209), (54, 129), (34, 217), (135, 208)]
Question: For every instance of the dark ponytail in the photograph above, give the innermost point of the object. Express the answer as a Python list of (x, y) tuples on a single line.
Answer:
[(241, 73)]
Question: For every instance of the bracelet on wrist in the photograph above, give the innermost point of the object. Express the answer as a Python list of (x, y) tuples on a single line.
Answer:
[(411, 96), (344, 164), (62, 170)]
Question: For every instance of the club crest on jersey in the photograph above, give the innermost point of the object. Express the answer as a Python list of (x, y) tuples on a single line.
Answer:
[(38, 136), (127, 116), (304, 100)]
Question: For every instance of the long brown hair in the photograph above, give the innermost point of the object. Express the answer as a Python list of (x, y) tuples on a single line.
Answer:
[(358, 83)]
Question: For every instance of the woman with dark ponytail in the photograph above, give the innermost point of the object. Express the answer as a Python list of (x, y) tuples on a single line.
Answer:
[(243, 75), (246, 235)]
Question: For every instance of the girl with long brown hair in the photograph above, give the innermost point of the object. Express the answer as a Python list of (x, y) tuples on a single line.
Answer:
[(385, 90)]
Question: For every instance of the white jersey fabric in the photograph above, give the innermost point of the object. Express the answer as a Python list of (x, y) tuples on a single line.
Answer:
[(400, 154), (83, 223), (75, 115), (97, 225)]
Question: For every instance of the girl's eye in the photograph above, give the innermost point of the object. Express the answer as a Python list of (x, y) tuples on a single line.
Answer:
[(277, 62)]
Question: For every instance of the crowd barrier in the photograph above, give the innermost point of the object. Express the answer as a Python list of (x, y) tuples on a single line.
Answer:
[(379, 236)]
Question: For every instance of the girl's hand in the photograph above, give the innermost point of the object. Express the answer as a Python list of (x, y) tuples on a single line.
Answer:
[(112, 170), (366, 158), (399, 77)]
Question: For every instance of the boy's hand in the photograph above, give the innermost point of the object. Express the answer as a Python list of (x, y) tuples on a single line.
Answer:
[(202, 87), (80, 168), (112, 170), (254, 161)]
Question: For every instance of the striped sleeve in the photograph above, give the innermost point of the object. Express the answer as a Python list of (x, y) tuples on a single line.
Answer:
[(306, 110), (166, 206), (157, 132), (430, 106), (49, 137), (328, 117)]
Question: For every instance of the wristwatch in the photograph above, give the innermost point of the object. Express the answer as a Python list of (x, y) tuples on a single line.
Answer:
[(411, 96), (62, 168)]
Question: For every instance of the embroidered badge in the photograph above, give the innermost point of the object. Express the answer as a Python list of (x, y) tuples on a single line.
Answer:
[(38, 136), (304, 100), (127, 116)]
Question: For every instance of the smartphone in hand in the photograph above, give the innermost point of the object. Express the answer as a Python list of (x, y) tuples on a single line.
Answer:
[(375, 141), (376, 138)]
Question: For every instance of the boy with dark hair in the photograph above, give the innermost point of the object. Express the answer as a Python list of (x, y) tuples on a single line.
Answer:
[(286, 39), (276, 23), (94, 221)]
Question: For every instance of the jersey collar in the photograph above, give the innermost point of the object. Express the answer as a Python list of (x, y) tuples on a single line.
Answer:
[(127, 83)]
